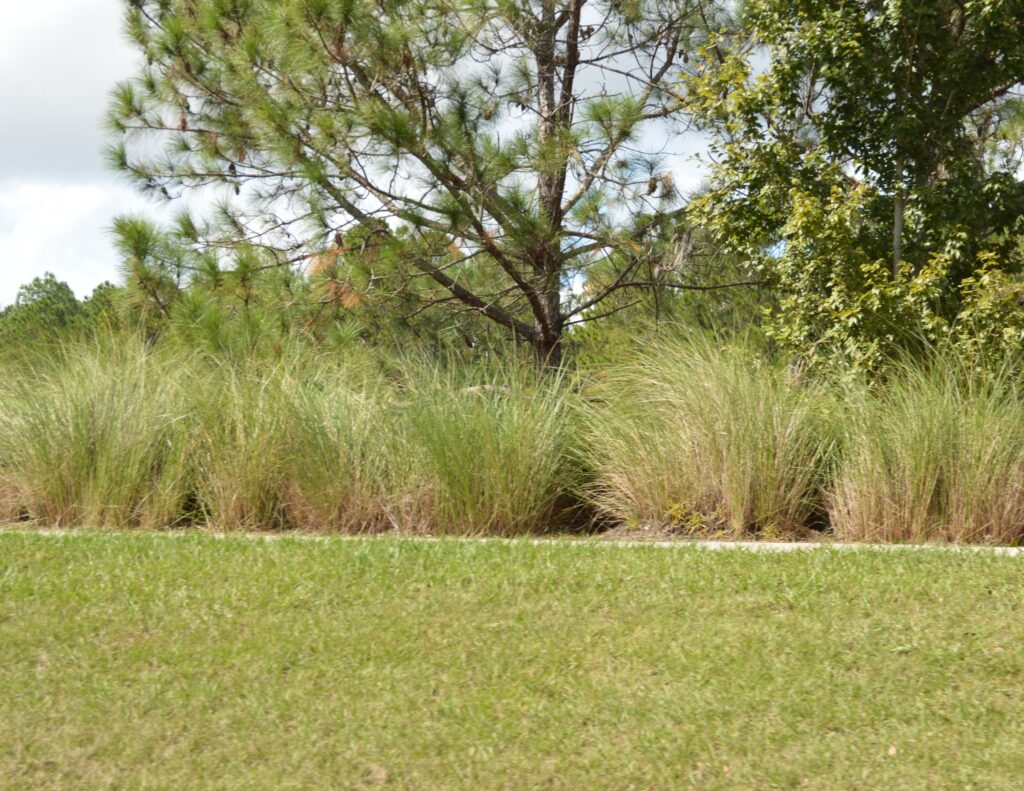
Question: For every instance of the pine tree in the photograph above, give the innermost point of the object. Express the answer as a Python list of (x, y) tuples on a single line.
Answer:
[(494, 148)]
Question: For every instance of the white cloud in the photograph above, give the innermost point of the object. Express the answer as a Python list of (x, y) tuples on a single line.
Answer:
[(59, 58), (60, 228)]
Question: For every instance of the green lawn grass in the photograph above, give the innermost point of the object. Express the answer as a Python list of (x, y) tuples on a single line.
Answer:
[(155, 661)]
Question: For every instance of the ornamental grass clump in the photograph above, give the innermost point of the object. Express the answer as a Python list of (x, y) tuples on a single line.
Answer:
[(245, 413), (343, 453), (97, 436), (709, 438), (936, 454), (488, 454)]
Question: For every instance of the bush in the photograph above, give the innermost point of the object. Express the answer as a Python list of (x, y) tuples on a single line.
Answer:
[(125, 436)]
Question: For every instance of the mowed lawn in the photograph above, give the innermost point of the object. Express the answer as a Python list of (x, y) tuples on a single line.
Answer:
[(190, 661)]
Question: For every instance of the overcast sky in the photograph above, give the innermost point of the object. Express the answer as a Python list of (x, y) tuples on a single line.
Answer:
[(58, 61)]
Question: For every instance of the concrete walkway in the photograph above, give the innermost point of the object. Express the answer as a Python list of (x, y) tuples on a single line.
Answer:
[(710, 546)]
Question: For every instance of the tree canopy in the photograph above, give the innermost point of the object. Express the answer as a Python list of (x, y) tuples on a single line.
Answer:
[(868, 159), (497, 149), (501, 165)]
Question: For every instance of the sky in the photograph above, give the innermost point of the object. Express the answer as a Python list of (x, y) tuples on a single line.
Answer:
[(59, 60)]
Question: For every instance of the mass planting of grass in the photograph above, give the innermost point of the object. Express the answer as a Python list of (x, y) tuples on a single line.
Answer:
[(187, 661), (701, 436), (122, 435)]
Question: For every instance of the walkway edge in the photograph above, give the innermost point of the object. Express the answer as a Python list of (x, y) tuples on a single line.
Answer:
[(706, 545)]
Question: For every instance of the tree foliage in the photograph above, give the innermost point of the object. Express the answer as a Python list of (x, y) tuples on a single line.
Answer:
[(47, 312), (497, 149), (868, 155), (179, 292)]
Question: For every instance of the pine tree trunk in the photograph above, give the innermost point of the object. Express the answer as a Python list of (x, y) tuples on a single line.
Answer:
[(548, 259), (549, 352), (549, 329), (897, 234)]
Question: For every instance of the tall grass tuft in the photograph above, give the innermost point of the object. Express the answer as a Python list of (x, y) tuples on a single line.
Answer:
[(488, 454), (245, 413), (96, 436), (936, 454), (343, 453), (708, 438)]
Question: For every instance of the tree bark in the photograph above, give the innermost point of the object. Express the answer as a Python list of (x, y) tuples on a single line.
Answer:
[(549, 327), (897, 232), (548, 351), (555, 118)]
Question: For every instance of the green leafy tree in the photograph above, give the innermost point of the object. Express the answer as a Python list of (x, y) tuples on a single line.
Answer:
[(501, 148), (52, 300), (868, 154), (44, 311), (102, 309)]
